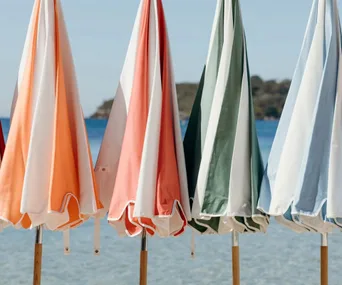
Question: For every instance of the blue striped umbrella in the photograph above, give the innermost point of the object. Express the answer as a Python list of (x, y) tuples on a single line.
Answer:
[(302, 184)]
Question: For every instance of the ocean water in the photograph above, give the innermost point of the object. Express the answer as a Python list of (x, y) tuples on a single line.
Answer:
[(279, 257)]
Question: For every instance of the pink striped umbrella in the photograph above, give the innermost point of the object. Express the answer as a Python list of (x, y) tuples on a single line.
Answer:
[(141, 166)]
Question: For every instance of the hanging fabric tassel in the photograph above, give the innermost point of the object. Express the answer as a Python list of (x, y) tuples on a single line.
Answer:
[(97, 224), (193, 245), (66, 240)]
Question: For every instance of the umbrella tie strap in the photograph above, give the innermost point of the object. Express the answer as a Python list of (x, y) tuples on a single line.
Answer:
[(193, 244), (97, 229), (66, 240)]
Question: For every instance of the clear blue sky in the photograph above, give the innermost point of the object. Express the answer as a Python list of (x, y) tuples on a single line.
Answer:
[(99, 31)]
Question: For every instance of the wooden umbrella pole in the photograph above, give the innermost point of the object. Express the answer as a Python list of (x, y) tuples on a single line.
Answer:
[(324, 259), (143, 259), (235, 258), (38, 250)]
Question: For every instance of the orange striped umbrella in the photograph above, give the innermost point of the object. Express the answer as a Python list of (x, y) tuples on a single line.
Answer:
[(46, 177), (141, 162)]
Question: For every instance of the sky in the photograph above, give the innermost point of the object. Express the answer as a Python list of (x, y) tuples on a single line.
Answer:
[(99, 32)]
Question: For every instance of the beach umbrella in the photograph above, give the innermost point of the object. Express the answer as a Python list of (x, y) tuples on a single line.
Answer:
[(46, 177), (141, 167), (223, 160), (302, 183)]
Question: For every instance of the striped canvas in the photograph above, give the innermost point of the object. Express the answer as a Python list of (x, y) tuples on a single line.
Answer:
[(46, 176), (302, 183), (140, 169), (223, 161)]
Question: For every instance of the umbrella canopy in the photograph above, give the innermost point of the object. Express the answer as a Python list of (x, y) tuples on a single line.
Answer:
[(302, 182), (46, 176), (141, 166), (223, 160)]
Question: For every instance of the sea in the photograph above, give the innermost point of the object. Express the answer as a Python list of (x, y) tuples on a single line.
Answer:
[(279, 257)]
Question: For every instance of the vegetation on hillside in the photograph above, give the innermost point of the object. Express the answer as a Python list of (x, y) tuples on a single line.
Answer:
[(268, 96)]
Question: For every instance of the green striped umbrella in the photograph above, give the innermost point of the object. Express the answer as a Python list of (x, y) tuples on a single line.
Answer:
[(223, 160)]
